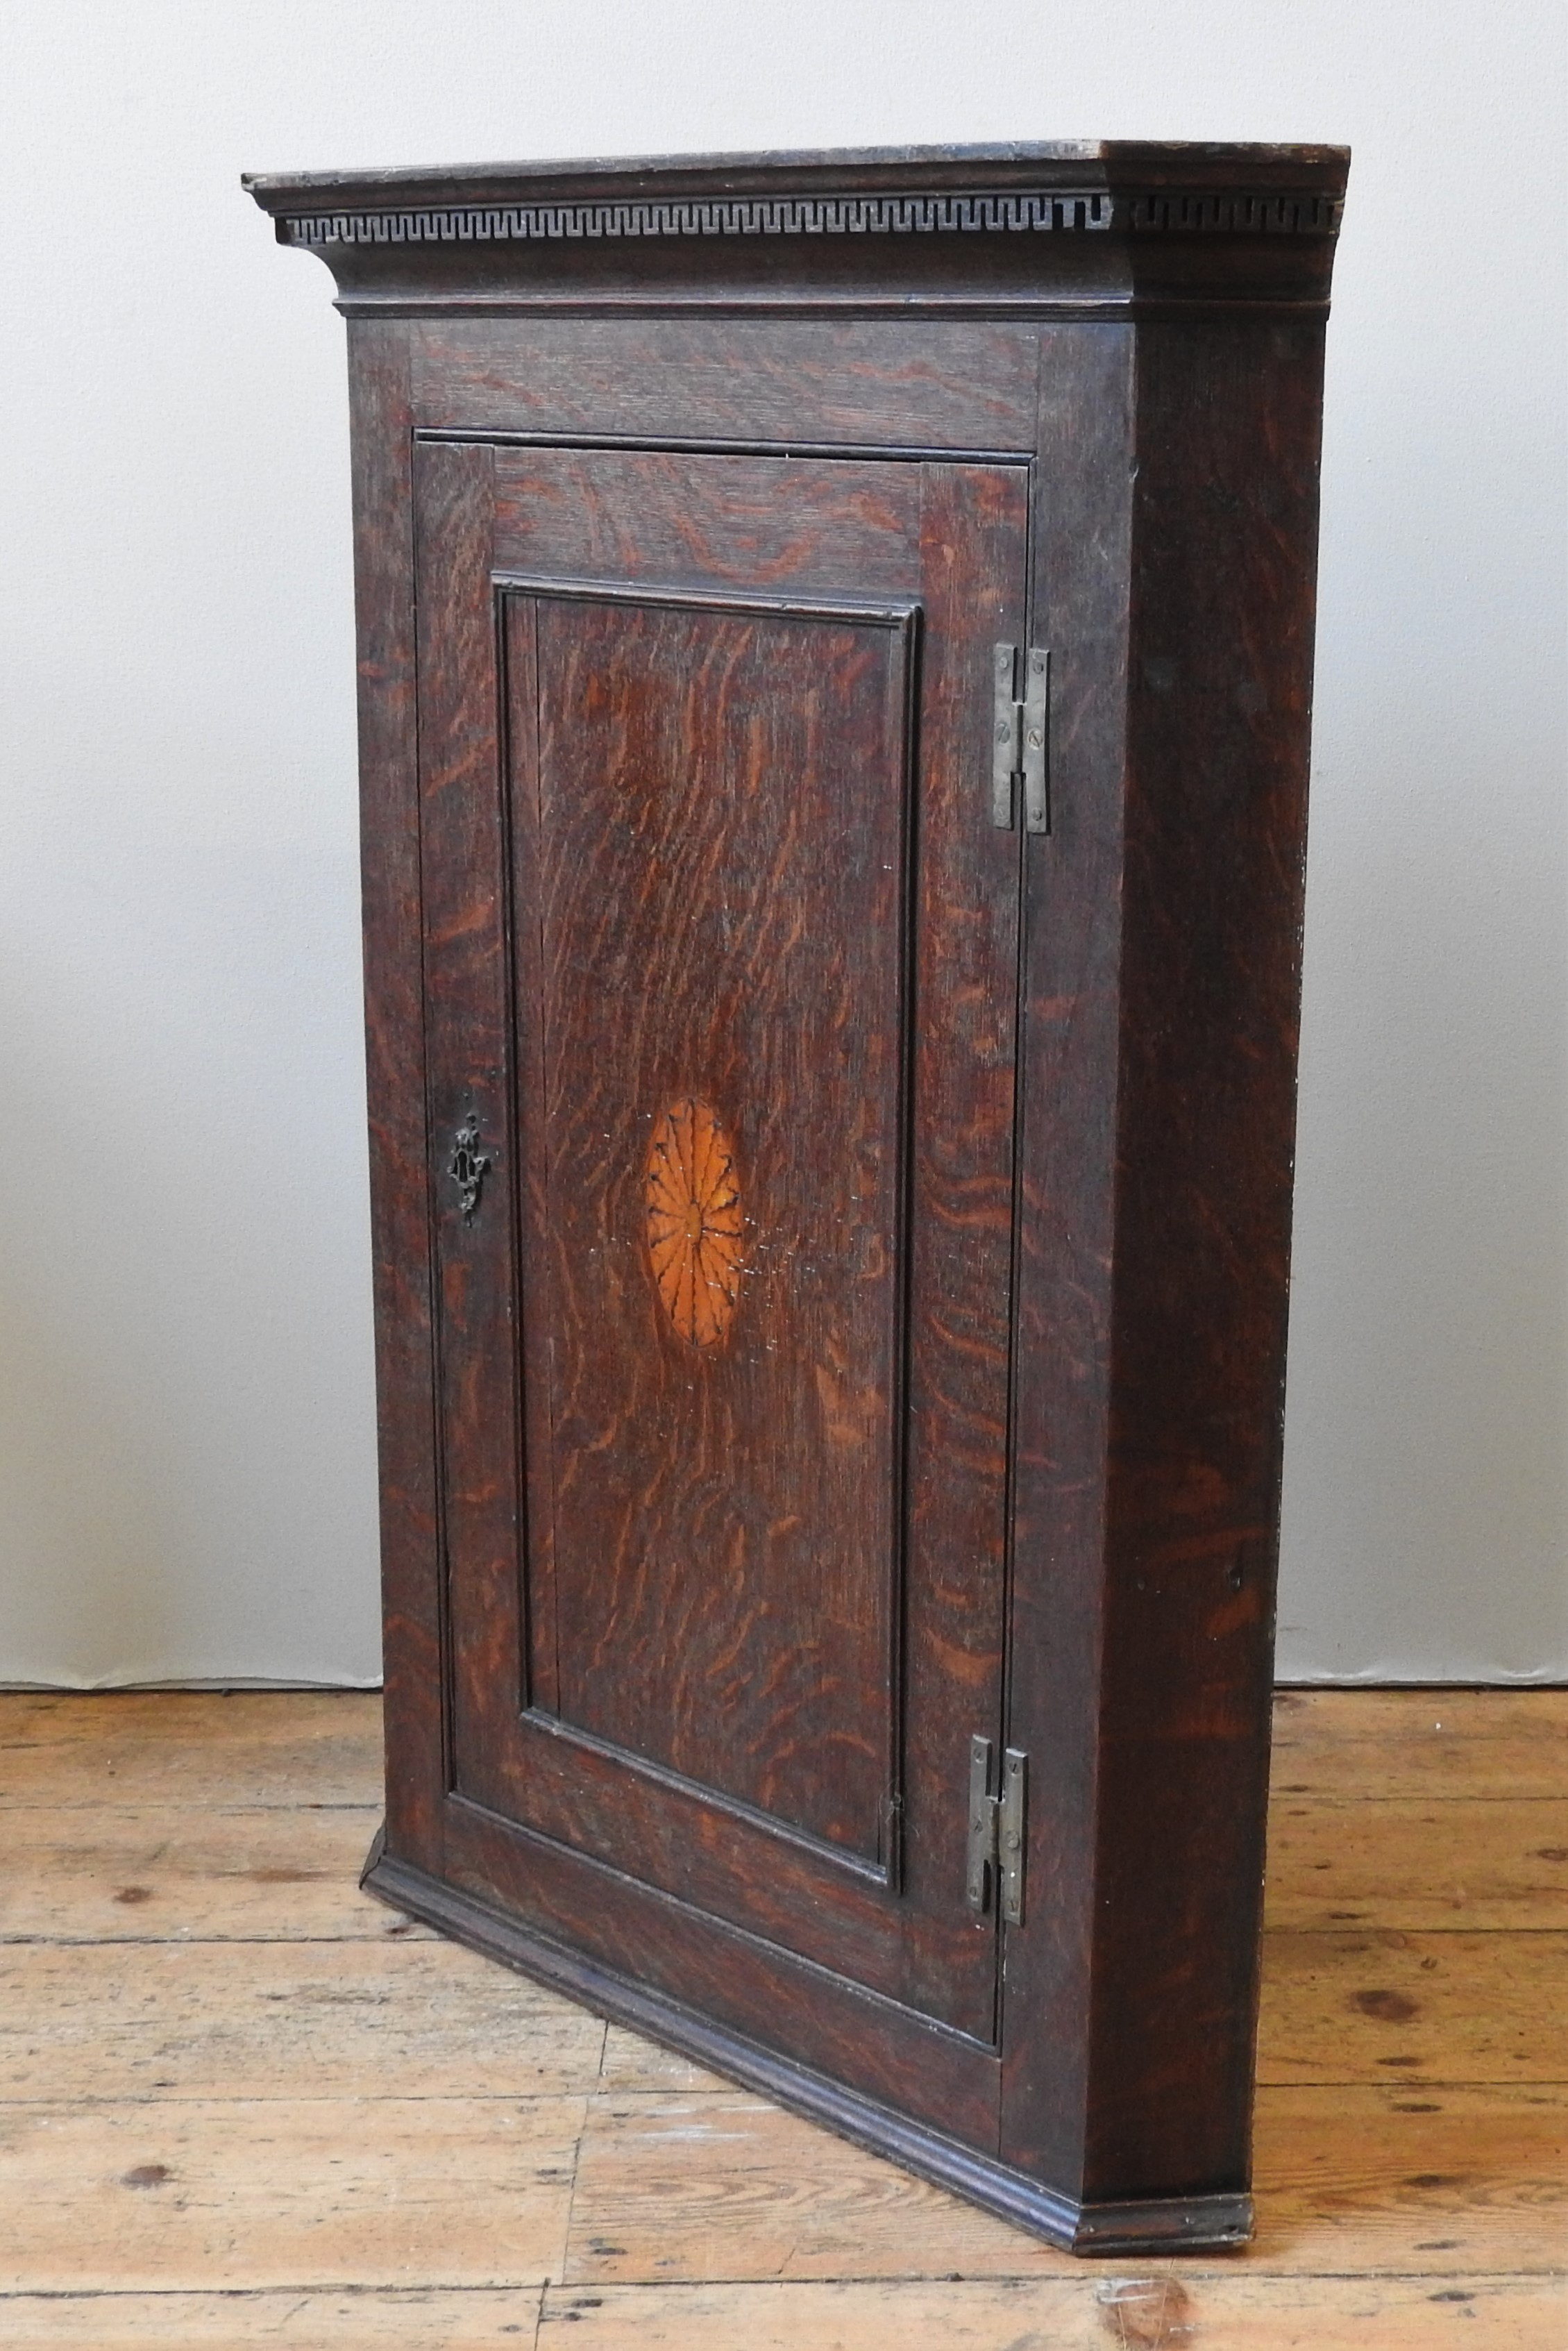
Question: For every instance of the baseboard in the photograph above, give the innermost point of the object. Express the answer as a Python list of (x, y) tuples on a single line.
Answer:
[(1378, 1677), (1195, 2223), (185, 1684)]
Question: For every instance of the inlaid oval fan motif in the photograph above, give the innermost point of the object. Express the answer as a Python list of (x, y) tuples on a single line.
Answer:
[(694, 1222)]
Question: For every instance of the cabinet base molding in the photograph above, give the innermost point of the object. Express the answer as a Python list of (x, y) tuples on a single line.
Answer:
[(1154, 2225)]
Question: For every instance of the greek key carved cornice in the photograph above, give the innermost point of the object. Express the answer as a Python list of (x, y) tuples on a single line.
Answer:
[(1227, 211)]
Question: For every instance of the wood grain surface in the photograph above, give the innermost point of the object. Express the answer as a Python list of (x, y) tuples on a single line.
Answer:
[(969, 386), (111, 1874), (387, 659), (1220, 611), (721, 851), (742, 1588), (1471, 1745), (1416, 1865), (210, 1751), (226, 2131), (1121, 2313), (282, 2019), (224, 2193), (693, 502), (758, 526)]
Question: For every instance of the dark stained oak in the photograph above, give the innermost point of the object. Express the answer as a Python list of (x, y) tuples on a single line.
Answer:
[(774, 526), (831, 1247), (721, 859), (414, 1630), (735, 886), (966, 385)]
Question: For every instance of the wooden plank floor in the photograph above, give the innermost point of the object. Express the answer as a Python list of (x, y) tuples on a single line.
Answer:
[(241, 2105)]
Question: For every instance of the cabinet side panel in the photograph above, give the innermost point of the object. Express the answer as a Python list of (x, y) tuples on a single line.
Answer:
[(1219, 709), (389, 766), (1084, 515)]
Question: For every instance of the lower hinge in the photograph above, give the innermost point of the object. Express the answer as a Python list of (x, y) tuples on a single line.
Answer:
[(995, 1849), (1019, 728)]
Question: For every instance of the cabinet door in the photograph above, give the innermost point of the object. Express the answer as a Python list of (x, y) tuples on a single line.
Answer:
[(720, 977)]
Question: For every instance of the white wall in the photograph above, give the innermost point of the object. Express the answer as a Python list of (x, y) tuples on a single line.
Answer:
[(186, 1456)]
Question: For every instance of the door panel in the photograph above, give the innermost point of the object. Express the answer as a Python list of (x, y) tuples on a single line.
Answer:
[(720, 1007), (717, 856)]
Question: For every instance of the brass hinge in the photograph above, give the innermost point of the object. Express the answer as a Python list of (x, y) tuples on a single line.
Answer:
[(995, 1849), (1020, 726)]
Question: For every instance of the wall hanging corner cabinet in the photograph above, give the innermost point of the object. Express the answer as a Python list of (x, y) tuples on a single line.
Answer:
[(834, 652)]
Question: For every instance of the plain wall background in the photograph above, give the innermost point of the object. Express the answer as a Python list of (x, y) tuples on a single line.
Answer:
[(186, 1415)]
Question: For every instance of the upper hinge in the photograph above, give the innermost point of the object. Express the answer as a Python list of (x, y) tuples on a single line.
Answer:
[(996, 1849), (1019, 729)]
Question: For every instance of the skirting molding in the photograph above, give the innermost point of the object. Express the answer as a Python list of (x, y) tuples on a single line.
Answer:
[(1168, 2225)]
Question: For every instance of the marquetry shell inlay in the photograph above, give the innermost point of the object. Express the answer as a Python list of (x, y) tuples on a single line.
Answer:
[(694, 1222)]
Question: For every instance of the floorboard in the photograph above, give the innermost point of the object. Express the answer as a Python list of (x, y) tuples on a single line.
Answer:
[(215, 2193), (261, 2020), (239, 2104), (1418, 1866), (1468, 1745), (1088, 2313), (1364, 2179), (152, 1873)]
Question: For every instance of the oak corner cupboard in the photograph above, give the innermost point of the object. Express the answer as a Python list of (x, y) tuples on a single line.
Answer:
[(835, 658)]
